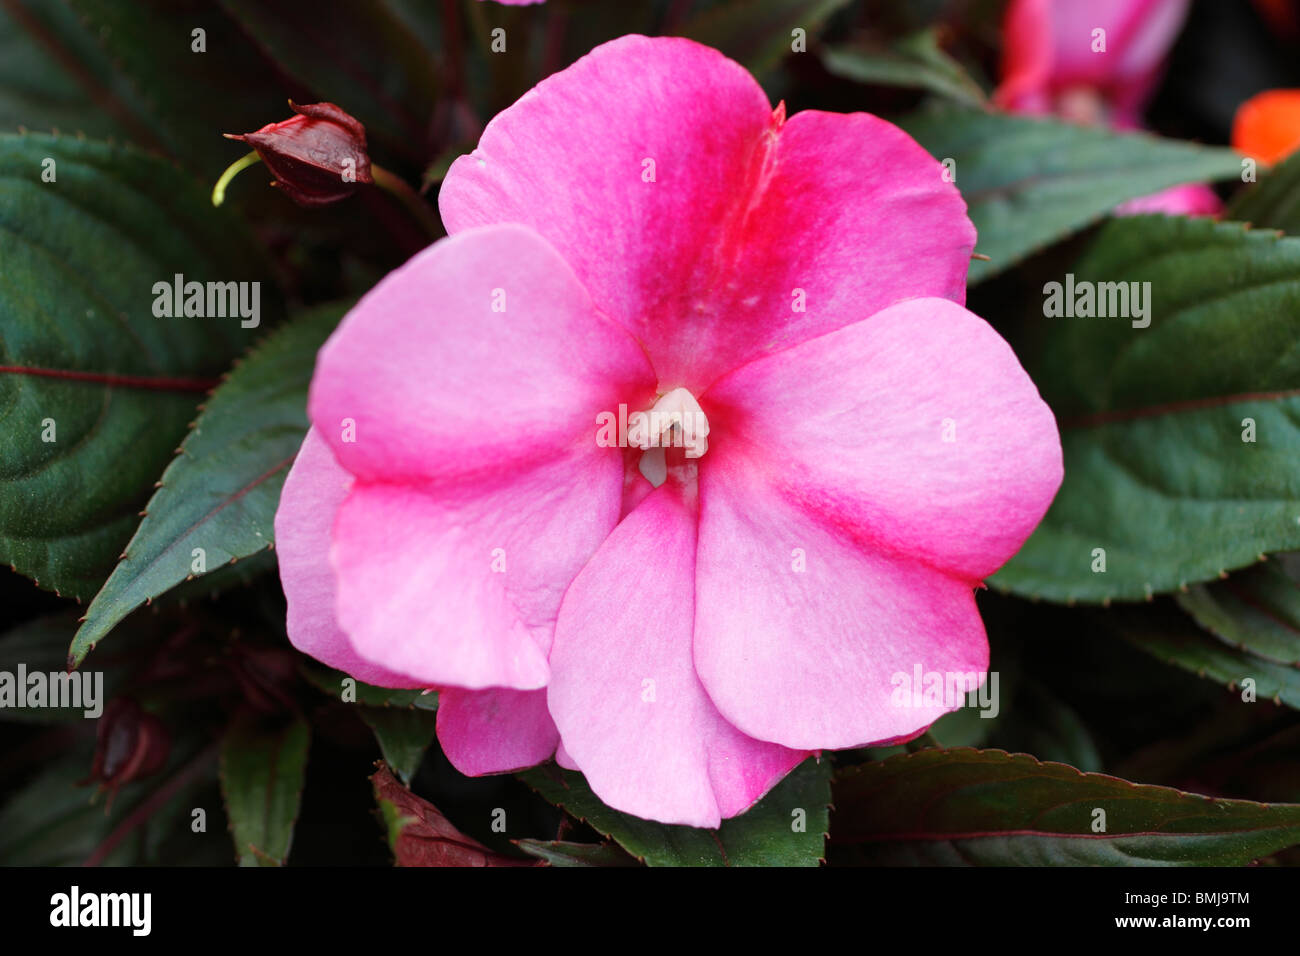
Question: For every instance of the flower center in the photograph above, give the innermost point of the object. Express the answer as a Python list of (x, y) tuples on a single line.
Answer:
[(674, 421), (1083, 105)]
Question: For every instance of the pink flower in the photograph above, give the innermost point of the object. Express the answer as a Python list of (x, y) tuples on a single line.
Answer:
[(642, 229), (1054, 61)]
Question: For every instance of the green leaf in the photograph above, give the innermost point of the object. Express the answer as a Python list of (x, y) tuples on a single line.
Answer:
[(916, 62), (57, 818), (39, 645), (1030, 182), (963, 727), (80, 346), (1256, 610), (988, 807), (759, 35), (1176, 640), (352, 691), (355, 53), (1047, 727), (43, 48), (560, 853), (1273, 203), (217, 499), (224, 578), (163, 93), (766, 835), (262, 773), (403, 736), (1152, 419)]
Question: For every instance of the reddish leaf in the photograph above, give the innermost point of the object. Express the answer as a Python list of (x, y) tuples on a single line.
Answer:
[(420, 835)]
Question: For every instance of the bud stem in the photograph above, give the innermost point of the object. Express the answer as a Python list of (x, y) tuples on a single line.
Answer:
[(233, 170), (398, 187)]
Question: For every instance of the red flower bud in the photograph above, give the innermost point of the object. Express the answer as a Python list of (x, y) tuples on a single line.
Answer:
[(317, 156), (130, 743), (266, 676), (419, 835)]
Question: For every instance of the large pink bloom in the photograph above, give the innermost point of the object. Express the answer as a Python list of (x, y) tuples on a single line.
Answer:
[(643, 227), (1050, 66)]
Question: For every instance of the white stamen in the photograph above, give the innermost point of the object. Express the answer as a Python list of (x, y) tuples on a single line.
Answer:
[(677, 410), (654, 466)]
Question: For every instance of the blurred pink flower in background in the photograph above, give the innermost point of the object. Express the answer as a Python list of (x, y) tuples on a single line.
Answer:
[(1050, 66), (643, 229)]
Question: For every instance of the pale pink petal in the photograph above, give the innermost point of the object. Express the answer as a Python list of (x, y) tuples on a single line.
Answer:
[(623, 691), (1048, 48), (495, 731), (461, 586), (1190, 199), (313, 491), (917, 431), (563, 759), (802, 628), (472, 453), (754, 233), (480, 355)]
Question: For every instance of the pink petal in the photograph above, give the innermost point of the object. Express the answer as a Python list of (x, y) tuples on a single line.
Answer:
[(802, 627), (439, 386), (841, 535), (421, 588), (745, 216), (313, 491), (563, 759), (474, 450), (626, 622), (1048, 48), (495, 731), (1027, 57), (1190, 199), (851, 427)]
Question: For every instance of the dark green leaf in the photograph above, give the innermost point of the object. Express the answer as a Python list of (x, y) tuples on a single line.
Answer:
[(41, 645), (1153, 419), (987, 807), (167, 95), (355, 53), (43, 52), (57, 819), (785, 828), (262, 772), (559, 853), (224, 578), (963, 727), (217, 499), (80, 346), (352, 691), (1175, 639), (1256, 610), (52, 821), (403, 736), (1030, 182), (1047, 727), (1273, 203), (759, 35), (916, 62)]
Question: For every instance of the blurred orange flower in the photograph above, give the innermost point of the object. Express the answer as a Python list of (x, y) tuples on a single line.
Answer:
[(1267, 126)]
